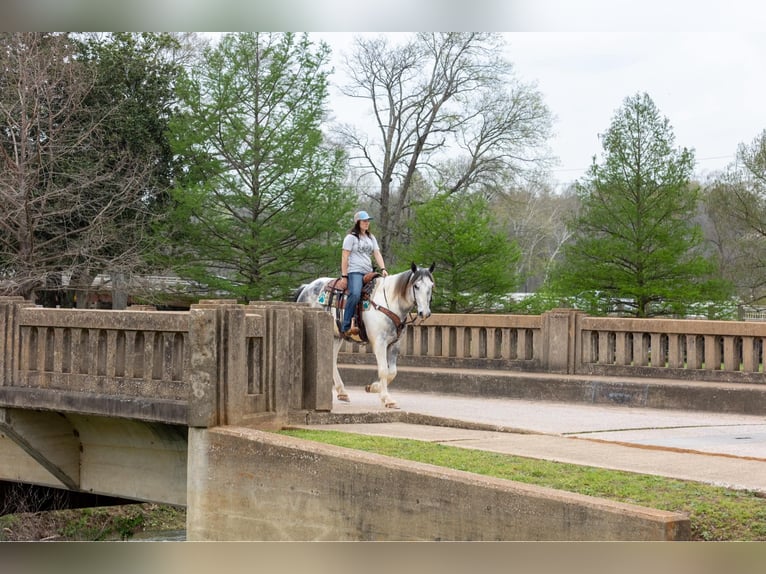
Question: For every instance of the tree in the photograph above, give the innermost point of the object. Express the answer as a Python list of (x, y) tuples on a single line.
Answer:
[(475, 261), (535, 217), (261, 206), (635, 242), (735, 202), (439, 95), (68, 184), (135, 91)]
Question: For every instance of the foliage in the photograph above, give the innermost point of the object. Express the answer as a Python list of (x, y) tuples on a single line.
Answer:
[(82, 155), (121, 522), (261, 206), (635, 243), (735, 203), (716, 513), (475, 262), (437, 96), (535, 217), (135, 88)]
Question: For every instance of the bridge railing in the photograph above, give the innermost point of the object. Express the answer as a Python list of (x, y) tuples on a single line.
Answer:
[(730, 351), (569, 341), (467, 341), (219, 363)]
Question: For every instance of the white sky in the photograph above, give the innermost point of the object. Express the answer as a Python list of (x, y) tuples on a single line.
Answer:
[(703, 62), (710, 85)]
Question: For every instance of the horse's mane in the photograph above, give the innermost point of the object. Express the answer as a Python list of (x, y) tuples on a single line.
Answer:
[(405, 279)]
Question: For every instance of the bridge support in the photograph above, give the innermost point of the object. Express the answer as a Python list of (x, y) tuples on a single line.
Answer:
[(49, 439)]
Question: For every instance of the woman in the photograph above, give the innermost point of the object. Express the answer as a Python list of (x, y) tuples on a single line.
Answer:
[(358, 247)]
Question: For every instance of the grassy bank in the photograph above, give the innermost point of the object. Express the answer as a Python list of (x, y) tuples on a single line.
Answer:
[(716, 513), (90, 524)]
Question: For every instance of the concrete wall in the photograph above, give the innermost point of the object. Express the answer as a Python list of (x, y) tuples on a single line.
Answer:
[(246, 484), (218, 363)]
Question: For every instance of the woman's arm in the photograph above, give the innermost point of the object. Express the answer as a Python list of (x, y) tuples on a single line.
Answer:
[(379, 260)]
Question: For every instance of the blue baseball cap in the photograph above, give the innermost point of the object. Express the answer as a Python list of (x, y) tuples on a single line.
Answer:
[(361, 216)]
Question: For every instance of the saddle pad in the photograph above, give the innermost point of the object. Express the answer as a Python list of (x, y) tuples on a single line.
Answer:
[(337, 300)]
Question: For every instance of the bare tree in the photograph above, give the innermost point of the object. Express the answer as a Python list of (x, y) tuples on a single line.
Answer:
[(536, 217), (74, 195), (734, 220), (440, 96)]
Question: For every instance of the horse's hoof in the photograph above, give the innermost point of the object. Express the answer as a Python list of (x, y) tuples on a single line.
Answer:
[(344, 397), (368, 389), (392, 406)]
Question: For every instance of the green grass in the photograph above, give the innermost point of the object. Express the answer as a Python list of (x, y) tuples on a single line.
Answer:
[(716, 513), (91, 524)]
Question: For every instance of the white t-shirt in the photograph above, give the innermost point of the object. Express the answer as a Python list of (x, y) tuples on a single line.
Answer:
[(361, 250)]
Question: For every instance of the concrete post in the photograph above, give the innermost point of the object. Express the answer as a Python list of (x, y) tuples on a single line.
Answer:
[(317, 360), (560, 335), (9, 330), (298, 362), (203, 378), (233, 363)]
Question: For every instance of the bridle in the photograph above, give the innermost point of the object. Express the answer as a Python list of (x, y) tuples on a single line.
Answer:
[(399, 324)]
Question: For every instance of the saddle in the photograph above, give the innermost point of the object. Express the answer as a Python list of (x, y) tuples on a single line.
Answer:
[(334, 296)]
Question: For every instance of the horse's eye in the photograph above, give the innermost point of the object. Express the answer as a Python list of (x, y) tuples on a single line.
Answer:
[(416, 286)]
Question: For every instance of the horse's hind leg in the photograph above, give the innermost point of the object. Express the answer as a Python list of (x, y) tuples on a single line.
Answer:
[(340, 388)]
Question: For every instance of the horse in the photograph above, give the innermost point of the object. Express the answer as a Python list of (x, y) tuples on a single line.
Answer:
[(391, 301)]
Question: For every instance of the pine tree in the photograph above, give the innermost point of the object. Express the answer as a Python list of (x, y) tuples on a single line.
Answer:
[(476, 264), (262, 206), (635, 240)]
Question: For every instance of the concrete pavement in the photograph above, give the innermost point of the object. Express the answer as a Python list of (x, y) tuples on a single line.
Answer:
[(720, 449)]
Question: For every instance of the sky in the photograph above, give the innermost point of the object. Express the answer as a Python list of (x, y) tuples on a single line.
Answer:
[(702, 62), (710, 85)]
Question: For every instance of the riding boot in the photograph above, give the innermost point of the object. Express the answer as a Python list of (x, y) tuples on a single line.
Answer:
[(353, 334)]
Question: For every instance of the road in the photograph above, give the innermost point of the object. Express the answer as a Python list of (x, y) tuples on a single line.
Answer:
[(721, 449)]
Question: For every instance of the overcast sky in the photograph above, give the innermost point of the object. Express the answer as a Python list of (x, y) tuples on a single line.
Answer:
[(703, 62), (710, 85)]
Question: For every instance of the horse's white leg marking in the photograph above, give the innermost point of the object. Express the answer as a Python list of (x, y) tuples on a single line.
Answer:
[(391, 356), (340, 389), (386, 372), (379, 386)]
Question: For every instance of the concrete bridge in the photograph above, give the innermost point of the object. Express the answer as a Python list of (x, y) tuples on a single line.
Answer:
[(108, 401), (175, 407)]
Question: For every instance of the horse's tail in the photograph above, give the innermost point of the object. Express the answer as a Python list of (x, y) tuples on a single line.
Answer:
[(299, 291)]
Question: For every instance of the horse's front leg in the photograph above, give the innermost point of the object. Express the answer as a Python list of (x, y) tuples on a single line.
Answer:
[(340, 388), (385, 356)]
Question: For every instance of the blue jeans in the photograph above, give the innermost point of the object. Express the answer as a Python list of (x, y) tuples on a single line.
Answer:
[(354, 294)]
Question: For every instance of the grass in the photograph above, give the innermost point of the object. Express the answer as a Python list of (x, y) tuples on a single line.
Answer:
[(92, 524), (715, 513)]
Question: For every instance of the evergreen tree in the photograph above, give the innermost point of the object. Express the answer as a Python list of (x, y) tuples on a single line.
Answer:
[(634, 240), (476, 264), (262, 206)]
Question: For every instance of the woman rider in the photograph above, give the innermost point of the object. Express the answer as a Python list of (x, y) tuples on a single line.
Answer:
[(359, 246)]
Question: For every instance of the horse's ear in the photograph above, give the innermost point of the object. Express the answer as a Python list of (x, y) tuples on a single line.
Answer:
[(414, 267), (431, 269)]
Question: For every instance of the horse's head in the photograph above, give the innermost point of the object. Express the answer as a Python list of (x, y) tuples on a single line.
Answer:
[(422, 281)]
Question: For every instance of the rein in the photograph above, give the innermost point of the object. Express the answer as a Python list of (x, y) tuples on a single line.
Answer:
[(397, 321)]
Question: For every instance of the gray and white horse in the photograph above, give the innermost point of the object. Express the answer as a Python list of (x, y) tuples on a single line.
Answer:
[(391, 301)]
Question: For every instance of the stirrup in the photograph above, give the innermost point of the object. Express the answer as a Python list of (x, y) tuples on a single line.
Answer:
[(352, 335)]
